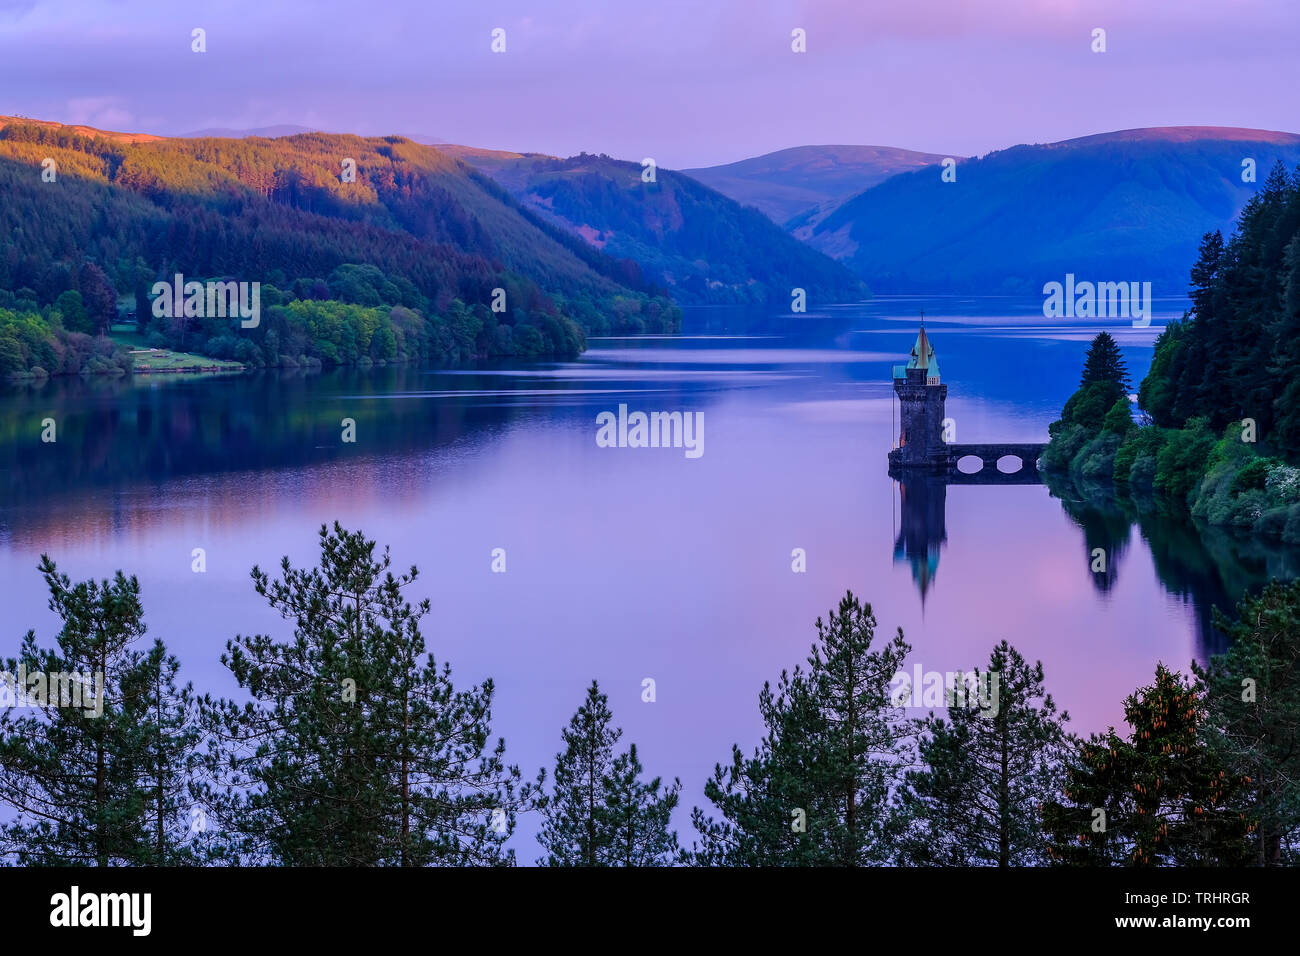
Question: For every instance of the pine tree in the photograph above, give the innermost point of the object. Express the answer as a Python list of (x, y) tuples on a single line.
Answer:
[(816, 791), (638, 814), (600, 812), (1205, 272), (100, 783), (1235, 354), (1104, 363), (985, 772), (356, 748), (169, 738), (1254, 715), (1161, 797)]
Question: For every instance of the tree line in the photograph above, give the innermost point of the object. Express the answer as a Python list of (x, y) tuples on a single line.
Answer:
[(1219, 433), (354, 747)]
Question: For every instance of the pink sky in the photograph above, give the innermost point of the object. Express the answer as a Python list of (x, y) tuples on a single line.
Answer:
[(688, 82)]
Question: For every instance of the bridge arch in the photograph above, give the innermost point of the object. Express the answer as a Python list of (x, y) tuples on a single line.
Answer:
[(970, 464), (1011, 463)]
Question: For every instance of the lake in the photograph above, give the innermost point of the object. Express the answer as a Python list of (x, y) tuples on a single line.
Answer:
[(623, 564)]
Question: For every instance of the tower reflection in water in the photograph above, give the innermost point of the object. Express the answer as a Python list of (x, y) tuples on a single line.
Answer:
[(921, 531)]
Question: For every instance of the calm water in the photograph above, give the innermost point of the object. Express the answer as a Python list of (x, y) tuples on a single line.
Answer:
[(628, 563)]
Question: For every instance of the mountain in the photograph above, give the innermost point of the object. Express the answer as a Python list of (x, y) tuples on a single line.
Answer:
[(1123, 206), (685, 237), (800, 180)]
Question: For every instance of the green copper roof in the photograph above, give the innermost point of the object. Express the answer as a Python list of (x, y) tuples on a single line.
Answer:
[(923, 355)]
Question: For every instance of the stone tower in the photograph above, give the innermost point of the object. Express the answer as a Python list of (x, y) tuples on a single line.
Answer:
[(921, 398)]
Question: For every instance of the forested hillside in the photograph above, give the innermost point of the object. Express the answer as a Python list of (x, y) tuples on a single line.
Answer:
[(686, 237), (417, 237)]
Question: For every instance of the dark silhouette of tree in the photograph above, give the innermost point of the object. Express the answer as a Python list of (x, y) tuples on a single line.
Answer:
[(1104, 363), (600, 812), (817, 789)]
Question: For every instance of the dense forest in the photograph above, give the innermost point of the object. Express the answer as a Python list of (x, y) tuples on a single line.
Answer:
[(686, 237), (366, 250), (1219, 435), (1237, 353), (355, 747)]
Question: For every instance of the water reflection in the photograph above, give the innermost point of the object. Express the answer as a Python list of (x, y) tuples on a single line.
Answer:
[(1208, 567), (922, 531)]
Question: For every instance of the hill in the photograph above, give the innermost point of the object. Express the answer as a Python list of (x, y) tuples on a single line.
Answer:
[(686, 237), (86, 131), (808, 179), (1123, 206), (431, 231)]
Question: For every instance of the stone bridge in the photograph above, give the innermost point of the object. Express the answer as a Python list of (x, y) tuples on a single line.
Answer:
[(989, 454)]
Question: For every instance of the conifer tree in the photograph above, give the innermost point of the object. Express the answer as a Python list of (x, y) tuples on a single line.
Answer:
[(102, 782), (1160, 797), (985, 771), (600, 812), (356, 749), (639, 814), (1254, 716), (1104, 363), (1205, 271), (816, 791), (169, 739)]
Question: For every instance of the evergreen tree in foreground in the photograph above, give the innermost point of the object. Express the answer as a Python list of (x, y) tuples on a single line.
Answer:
[(817, 790), (986, 770), (1254, 716), (600, 811), (103, 780), (1104, 363), (356, 748), (1161, 797)]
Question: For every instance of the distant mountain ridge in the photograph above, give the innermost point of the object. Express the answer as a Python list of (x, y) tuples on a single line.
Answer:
[(1125, 205), (798, 180), (1120, 205)]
